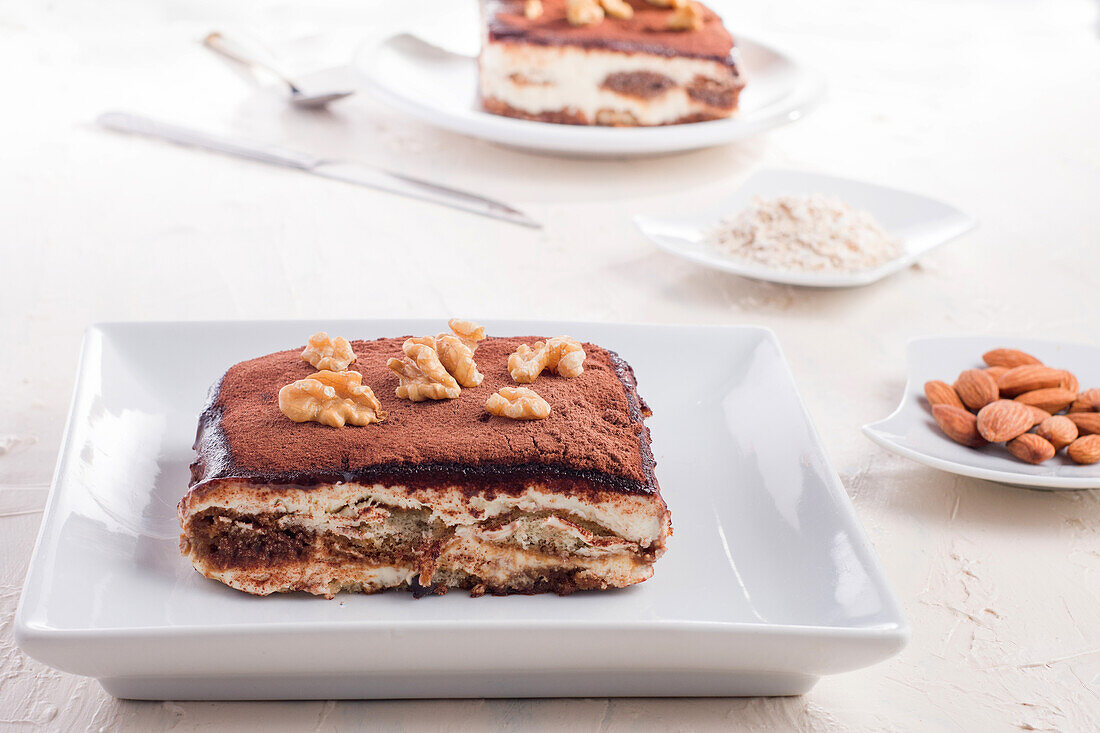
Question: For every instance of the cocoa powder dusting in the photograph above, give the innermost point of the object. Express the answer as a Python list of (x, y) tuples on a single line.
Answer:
[(646, 32), (594, 426)]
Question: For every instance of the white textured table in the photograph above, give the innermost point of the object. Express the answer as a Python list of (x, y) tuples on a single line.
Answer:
[(990, 105)]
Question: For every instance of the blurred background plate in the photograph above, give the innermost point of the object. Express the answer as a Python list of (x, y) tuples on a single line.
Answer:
[(911, 432), (439, 86), (921, 223)]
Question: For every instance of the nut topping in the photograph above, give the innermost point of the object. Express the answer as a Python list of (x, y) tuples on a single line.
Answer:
[(470, 332), (617, 8), (583, 12), (688, 17), (422, 375), (458, 359), (331, 398), (518, 403), (560, 354), (326, 353)]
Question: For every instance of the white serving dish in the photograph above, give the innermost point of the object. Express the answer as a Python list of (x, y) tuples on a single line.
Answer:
[(919, 222), (768, 583), (910, 431), (439, 86)]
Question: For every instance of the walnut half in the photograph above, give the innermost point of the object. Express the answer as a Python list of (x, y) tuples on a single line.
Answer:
[(456, 351), (458, 359), (583, 12), (421, 373), (331, 398), (617, 8), (560, 354), (687, 17), (518, 403), (332, 354), (470, 332)]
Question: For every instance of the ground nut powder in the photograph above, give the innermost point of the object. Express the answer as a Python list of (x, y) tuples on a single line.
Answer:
[(814, 232)]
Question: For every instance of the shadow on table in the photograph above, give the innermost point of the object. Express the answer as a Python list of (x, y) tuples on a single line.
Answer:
[(701, 289), (365, 131), (925, 494), (473, 715)]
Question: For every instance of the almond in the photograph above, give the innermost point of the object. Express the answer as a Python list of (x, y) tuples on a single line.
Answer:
[(958, 424), (1031, 448), (976, 388), (1038, 414), (1051, 399), (1087, 401), (1008, 358), (995, 371), (941, 393), (1028, 378), (1070, 382), (1085, 450), (1086, 422), (1060, 431), (1003, 420)]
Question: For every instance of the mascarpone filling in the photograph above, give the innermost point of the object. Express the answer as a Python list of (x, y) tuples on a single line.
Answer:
[(639, 519), (537, 79)]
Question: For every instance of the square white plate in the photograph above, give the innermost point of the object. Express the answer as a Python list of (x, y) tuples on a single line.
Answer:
[(910, 431), (439, 86), (768, 582), (921, 223)]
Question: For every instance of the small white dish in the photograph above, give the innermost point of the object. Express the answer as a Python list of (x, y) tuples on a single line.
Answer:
[(439, 87), (920, 222), (911, 432), (768, 583)]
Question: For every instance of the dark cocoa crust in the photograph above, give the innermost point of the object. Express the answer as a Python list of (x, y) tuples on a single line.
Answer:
[(646, 32), (573, 117), (594, 439)]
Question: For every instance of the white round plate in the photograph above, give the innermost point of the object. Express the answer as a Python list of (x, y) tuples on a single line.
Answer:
[(911, 432), (440, 87), (921, 223)]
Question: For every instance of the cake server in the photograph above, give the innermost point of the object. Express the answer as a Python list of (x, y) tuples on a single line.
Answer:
[(340, 170)]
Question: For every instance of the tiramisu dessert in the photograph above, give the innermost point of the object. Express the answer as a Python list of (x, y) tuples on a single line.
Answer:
[(607, 62), (499, 465)]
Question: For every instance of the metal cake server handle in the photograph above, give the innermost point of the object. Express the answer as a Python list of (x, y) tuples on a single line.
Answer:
[(347, 171), (235, 51)]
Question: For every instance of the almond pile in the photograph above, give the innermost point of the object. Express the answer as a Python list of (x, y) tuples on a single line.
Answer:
[(1013, 394)]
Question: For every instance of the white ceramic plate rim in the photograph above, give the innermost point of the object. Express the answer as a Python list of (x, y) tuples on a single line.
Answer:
[(877, 431), (646, 224), (53, 643), (806, 92), (839, 495)]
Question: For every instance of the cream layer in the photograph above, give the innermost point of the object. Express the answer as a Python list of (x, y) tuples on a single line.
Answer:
[(639, 519), (536, 79), (496, 565)]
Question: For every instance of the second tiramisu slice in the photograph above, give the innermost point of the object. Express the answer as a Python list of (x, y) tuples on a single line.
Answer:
[(607, 62)]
